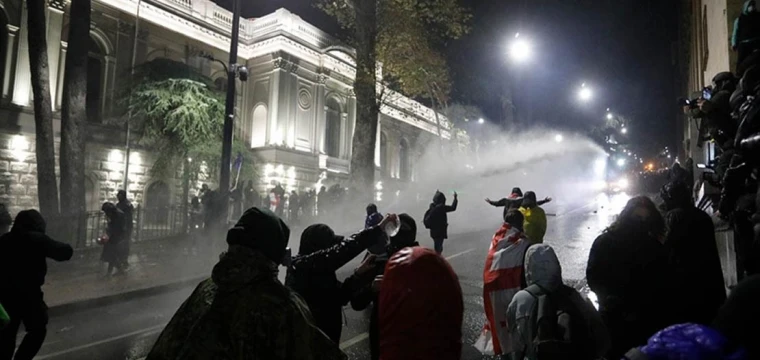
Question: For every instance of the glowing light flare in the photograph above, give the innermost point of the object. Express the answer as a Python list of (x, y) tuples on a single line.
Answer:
[(115, 156), (609, 116), (19, 147), (520, 50), (558, 138), (621, 162), (585, 93), (624, 130)]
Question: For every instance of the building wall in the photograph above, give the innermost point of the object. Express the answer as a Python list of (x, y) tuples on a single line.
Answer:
[(301, 81)]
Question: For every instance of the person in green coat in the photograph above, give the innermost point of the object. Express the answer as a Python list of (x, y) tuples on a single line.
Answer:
[(243, 311)]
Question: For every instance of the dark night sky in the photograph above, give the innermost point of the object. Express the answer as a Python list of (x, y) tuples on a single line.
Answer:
[(622, 48)]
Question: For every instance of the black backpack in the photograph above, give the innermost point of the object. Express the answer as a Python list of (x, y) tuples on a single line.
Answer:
[(562, 331), (426, 220)]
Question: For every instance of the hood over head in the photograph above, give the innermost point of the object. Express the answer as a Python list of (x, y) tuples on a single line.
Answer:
[(262, 230), (420, 307), (749, 6), (676, 194), (29, 220), (317, 237), (515, 218), (542, 267), (407, 233), (516, 192), (529, 200), (439, 198), (242, 266), (371, 209)]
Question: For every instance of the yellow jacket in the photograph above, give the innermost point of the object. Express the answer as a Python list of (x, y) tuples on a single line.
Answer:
[(535, 224)]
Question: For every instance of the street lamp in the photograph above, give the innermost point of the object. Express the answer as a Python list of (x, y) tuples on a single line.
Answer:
[(585, 93), (520, 49), (558, 138), (624, 131), (609, 116), (481, 121)]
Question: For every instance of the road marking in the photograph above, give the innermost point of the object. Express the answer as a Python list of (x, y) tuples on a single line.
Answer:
[(364, 336), (353, 341), (150, 330), (460, 254)]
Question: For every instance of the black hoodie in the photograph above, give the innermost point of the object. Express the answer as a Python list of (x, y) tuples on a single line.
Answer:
[(436, 218), (22, 255)]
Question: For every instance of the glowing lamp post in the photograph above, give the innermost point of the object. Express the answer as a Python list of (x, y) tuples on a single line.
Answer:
[(520, 49), (585, 93)]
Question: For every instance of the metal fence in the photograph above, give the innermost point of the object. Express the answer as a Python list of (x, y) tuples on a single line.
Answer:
[(148, 224)]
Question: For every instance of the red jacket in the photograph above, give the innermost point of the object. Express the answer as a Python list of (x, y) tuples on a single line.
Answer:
[(420, 308)]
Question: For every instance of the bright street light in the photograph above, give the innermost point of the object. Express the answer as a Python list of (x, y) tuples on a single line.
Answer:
[(558, 138), (609, 116), (624, 131), (621, 162), (585, 93), (480, 121), (520, 49)]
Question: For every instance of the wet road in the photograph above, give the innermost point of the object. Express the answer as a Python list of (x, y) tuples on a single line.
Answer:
[(128, 330)]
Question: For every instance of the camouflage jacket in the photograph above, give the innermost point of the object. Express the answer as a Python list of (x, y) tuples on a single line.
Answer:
[(243, 312)]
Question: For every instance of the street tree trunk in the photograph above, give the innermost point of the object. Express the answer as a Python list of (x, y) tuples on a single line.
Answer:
[(367, 105), (47, 187), (74, 109)]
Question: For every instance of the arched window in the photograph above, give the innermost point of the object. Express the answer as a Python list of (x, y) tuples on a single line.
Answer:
[(403, 152), (259, 126), (384, 166), (157, 202), (94, 82), (333, 128)]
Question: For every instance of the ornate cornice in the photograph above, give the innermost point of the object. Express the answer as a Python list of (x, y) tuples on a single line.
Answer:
[(59, 5)]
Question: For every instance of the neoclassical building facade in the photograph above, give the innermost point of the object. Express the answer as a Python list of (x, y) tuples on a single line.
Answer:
[(296, 112)]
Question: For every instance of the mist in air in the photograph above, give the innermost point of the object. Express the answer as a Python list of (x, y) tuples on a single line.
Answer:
[(567, 167)]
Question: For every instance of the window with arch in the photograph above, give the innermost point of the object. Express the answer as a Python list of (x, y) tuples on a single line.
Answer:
[(404, 169), (333, 128), (157, 201), (384, 163), (95, 66), (259, 126)]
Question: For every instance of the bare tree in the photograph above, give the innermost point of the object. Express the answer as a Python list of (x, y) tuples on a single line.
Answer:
[(74, 109), (43, 111)]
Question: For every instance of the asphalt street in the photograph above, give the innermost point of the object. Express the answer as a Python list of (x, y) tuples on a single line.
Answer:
[(127, 330)]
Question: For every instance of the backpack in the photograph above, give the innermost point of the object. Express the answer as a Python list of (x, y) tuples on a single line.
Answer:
[(561, 332), (426, 220)]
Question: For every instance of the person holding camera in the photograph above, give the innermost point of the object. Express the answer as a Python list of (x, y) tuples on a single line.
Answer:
[(368, 295), (312, 272)]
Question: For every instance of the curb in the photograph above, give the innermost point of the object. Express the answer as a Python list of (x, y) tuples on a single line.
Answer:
[(85, 304)]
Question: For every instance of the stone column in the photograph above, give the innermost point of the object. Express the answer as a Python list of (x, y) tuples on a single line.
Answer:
[(274, 97), (54, 32), (9, 52), (108, 81), (22, 85), (350, 122), (59, 91), (318, 145)]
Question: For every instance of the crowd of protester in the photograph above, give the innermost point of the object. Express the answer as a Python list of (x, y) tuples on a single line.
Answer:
[(655, 271)]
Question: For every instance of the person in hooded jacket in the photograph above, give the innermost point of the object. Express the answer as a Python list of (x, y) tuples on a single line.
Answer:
[(23, 266), (746, 35), (312, 273), (243, 311), (543, 274), (693, 256), (514, 201), (436, 219), (627, 266), (368, 295), (116, 232), (534, 221), (420, 308)]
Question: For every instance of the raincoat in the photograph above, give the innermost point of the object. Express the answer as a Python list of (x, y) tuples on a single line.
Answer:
[(542, 268), (534, 223), (243, 312), (420, 308), (502, 279)]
